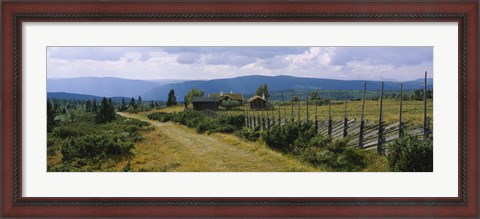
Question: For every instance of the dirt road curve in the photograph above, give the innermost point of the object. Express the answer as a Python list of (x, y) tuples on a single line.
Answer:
[(173, 147)]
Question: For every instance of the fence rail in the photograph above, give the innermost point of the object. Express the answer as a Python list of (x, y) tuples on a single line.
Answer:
[(369, 135)]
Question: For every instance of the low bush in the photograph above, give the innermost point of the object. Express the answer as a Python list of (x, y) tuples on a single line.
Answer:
[(161, 116), (302, 141), (85, 145), (91, 146), (283, 138), (66, 131), (335, 154), (248, 134), (411, 154), (201, 122)]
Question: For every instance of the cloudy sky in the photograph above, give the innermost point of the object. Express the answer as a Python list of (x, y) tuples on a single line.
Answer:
[(189, 63)]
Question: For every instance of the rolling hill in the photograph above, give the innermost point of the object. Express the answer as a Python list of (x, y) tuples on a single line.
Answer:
[(108, 87), (249, 84), (73, 96)]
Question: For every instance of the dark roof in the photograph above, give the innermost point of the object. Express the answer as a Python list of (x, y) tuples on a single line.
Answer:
[(255, 97), (205, 99)]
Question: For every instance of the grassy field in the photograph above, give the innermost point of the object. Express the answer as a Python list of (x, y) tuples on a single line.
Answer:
[(412, 111), (172, 147), (176, 148)]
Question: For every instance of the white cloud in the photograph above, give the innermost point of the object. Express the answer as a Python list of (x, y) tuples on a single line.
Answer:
[(361, 63)]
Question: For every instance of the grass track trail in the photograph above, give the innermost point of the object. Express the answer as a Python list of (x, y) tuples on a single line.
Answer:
[(173, 147)]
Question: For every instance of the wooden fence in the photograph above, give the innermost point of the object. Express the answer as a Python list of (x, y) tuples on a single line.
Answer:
[(370, 135)]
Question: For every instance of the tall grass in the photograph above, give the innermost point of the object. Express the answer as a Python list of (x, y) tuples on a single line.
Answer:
[(412, 110)]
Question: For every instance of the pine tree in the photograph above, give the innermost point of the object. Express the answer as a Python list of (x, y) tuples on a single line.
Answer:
[(172, 100), (123, 106), (94, 107), (262, 90), (139, 103), (132, 103), (88, 106), (50, 116), (110, 111), (106, 113), (193, 93)]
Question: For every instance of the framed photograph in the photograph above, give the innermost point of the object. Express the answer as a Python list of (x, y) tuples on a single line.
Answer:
[(203, 108)]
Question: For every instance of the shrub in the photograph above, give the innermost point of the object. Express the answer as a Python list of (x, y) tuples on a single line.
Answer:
[(229, 104), (136, 122), (91, 146), (161, 116), (201, 122), (237, 121), (203, 126), (302, 141), (277, 137), (410, 154), (335, 154), (68, 131), (290, 136), (248, 134)]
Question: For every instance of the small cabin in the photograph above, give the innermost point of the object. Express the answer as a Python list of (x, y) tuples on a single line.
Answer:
[(231, 96), (257, 102), (205, 103)]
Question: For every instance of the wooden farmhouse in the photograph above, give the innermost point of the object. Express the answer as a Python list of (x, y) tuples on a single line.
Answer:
[(205, 103), (231, 96), (257, 102)]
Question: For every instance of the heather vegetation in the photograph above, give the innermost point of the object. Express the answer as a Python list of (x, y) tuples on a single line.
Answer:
[(90, 136), (201, 122), (295, 139), (410, 154), (90, 140), (302, 141)]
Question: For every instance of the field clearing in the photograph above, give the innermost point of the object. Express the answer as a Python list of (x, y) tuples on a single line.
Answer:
[(412, 111), (176, 148)]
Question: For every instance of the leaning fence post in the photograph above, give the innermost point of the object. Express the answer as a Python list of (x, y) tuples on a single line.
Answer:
[(249, 118), (263, 120), (293, 117), (345, 121), (425, 119), (400, 125), (273, 115), (245, 117), (316, 118), (307, 109), (279, 117), (299, 109), (380, 125), (284, 108), (329, 117), (268, 118), (362, 121)]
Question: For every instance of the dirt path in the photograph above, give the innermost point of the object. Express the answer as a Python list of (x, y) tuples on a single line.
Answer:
[(173, 147)]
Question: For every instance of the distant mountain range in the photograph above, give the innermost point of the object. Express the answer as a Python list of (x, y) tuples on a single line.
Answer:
[(116, 87), (108, 87), (74, 96)]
